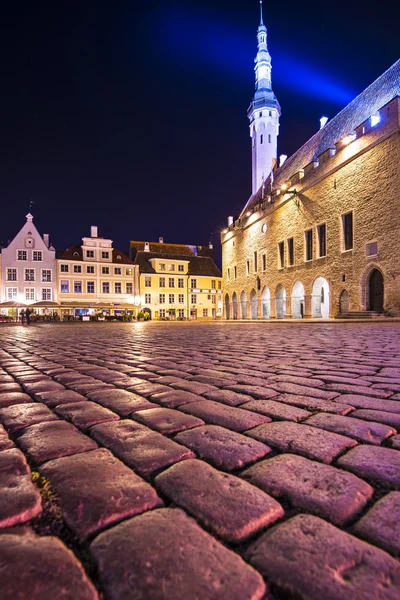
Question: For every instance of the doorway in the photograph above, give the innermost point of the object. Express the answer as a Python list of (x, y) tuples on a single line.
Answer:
[(376, 289)]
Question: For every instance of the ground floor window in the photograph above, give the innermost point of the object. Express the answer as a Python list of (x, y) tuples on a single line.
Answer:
[(30, 294), (11, 293), (205, 312), (181, 313)]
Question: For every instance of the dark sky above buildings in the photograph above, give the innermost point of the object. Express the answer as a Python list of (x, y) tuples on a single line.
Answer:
[(132, 115)]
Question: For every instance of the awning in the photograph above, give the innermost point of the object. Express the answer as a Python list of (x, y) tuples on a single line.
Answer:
[(12, 304), (45, 303)]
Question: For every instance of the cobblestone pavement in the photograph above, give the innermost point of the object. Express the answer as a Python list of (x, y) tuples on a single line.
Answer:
[(200, 461)]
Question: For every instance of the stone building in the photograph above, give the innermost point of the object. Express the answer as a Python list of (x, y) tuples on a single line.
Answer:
[(320, 234), (96, 278), (177, 281)]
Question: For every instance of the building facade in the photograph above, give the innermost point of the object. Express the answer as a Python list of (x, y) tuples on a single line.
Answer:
[(319, 237), (177, 281), (94, 278)]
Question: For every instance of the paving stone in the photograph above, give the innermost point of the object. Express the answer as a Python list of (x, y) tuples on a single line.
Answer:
[(53, 399), (144, 450), (315, 404), (326, 491), (353, 389), (166, 420), (223, 503), (381, 465), (9, 387), (146, 388), (95, 489), (363, 431), (193, 386), (19, 499), (85, 414), (20, 416), (46, 385), (380, 416), (167, 556), (302, 390), (46, 441), (277, 410), (121, 402), (12, 398), (255, 391), (369, 402), (381, 524), (174, 398), (395, 442), (41, 568), (5, 442), (228, 397), (302, 439), (310, 558), (221, 447), (86, 388), (230, 417)]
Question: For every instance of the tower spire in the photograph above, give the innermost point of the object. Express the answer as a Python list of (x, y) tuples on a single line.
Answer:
[(261, 13)]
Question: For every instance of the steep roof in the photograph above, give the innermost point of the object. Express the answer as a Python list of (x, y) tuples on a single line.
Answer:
[(198, 265), (171, 249), (75, 253), (379, 93)]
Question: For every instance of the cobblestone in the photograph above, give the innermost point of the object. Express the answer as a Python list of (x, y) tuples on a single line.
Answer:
[(242, 426)]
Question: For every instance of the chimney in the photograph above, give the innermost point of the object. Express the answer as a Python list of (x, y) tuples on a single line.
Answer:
[(46, 239), (161, 240), (146, 247), (93, 231), (230, 221)]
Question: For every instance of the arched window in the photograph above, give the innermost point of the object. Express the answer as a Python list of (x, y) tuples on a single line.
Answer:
[(261, 138), (269, 138), (322, 295)]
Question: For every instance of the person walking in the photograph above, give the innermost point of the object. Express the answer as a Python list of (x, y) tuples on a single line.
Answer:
[(28, 316), (22, 315)]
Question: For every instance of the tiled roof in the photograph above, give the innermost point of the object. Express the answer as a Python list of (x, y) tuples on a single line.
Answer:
[(75, 253), (171, 249), (374, 97), (198, 265)]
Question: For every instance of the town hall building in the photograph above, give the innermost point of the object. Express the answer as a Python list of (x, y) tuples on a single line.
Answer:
[(319, 236)]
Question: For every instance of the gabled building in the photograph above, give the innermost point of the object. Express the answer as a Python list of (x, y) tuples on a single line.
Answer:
[(177, 281)]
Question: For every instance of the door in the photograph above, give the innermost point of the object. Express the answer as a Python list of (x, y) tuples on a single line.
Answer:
[(376, 291)]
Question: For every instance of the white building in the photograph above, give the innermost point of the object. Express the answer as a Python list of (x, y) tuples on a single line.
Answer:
[(28, 269)]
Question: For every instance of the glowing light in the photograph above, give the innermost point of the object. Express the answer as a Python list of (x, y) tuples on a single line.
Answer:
[(225, 230), (348, 139), (375, 119), (322, 122), (282, 159), (248, 213), (284, 187)]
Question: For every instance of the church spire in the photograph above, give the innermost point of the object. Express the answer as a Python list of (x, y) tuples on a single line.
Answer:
[(261, 14)]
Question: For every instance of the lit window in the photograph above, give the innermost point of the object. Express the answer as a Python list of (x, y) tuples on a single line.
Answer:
[(375, 119), (64, 286), (78, 287), (11, 293), (128, 271), (46, 275), (172, 267), (46, 293), (30, 294), (372, 249)]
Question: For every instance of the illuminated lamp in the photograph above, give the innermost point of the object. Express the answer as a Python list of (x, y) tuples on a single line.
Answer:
[(322, 122), (375, 119), (248, 213), (225, 230), (269, 198), (349, 138), (284, 187)]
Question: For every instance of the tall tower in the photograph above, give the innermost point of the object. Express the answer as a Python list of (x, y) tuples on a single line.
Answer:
[(264, 112)]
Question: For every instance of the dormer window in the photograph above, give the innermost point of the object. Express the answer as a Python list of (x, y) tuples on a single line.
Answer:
[(76, 254)]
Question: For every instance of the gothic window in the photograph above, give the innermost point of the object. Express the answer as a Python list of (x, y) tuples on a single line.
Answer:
[(347, 224), (269, 138), (309, 244), (290, 245), (261, 138), (321, 229), (281, 255)]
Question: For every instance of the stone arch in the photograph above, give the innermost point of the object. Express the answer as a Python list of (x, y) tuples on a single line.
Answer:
[(235, 310), (375, 291), (372, 269), (243, 305), (265, 303), (280, 302), (320, 299), (227, 307), (253, 305), (298, 300)]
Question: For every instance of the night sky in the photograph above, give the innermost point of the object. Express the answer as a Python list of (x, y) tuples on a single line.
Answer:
[(132, 115)]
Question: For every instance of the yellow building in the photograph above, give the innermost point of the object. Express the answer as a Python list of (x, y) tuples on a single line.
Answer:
[(93, 278), (177, 281)]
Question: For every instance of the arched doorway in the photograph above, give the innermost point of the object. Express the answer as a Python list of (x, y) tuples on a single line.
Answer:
[(280, 302), (148, 311), (243, 305), (320, 299), (227, 307), (344, 302), (235, 312), (375, 291), (298, 300), (253, 305), (266, 303)]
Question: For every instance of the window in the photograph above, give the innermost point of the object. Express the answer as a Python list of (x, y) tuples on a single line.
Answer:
[(162, 282), (261, 138), (147, 282), (228, 274), (171, 282), (147, 298), (255, 262), (37, 255), (64, 286), (128, 271), (193, 299), (371, 249), (181, 313), (209, 297), (77, 269), (46, 293), (162, 298), (11, 274), (30, 294), (46, 275), (129, 288), (105, 270), (264, 262), (181, 298), (321, 230), (64, 268), (270, 113), (90, 287), (89, 253), (269, 138), (213, 284), (162, 266), (347, 221), (105, 255), (29, 274), (214, 299), (235, 272), (247, 267), (90, 269), (193, 283), (309, 244), (171, 298), (290, 249), (117, 287), (205, 312), (78, 287), (281, 255), (105, 287), (21, 255), (12, 293), (172, 267), (220, 285), (162, 313), (117, 270), (181, 282), (181, 268)]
